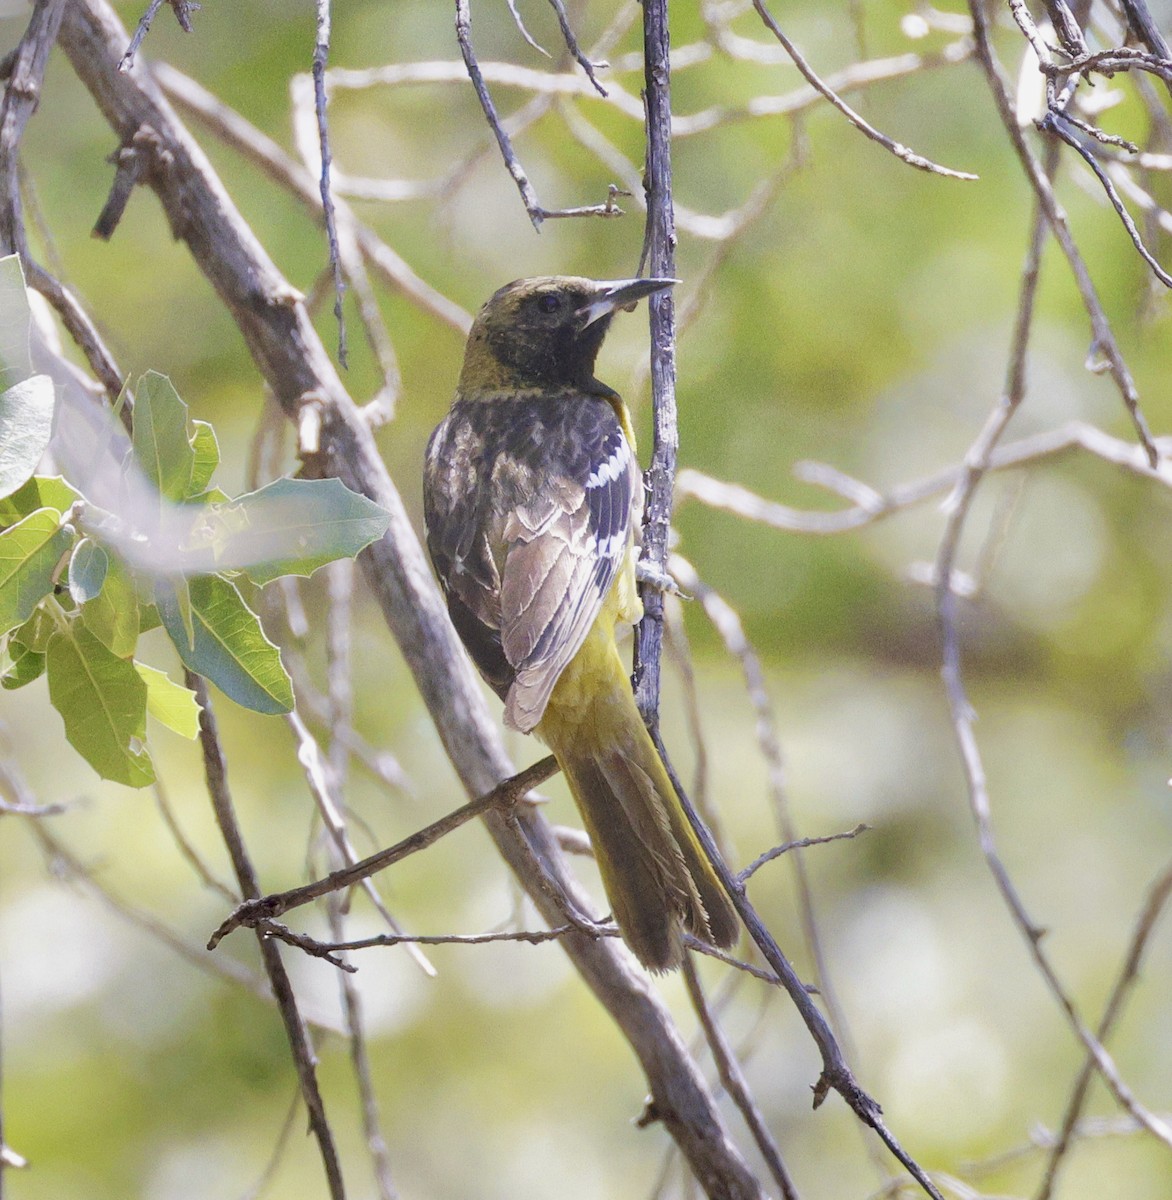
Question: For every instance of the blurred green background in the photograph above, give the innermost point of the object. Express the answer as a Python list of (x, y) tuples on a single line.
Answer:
[(863, 321)]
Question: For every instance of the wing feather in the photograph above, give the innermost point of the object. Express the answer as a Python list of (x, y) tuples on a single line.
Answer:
[(529, 504)]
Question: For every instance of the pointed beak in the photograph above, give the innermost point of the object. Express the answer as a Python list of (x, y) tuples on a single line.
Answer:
[(620, 293)]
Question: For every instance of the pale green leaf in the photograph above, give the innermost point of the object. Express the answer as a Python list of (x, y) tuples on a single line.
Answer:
[(205, 457), (102, 700), (292, 527), (160, 440), (19, 664), (26, 422), (29, 554), (36, 631), (42, 491), (112, 616), (229, 647), (88, 565), (170, 703)]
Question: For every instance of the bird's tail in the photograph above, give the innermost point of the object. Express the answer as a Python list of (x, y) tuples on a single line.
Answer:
[(657, 877)]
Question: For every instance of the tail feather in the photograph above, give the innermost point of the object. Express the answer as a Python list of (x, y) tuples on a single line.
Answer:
[(657, 877), (641, 869)]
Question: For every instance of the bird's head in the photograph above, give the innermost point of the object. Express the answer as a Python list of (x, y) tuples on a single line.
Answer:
[(546, 332)]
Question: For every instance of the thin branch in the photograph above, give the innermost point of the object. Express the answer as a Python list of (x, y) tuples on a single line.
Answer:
[(800, 844), (260, 149), (836, 1074), (182, 10), (321, 58), (902, 152), (21, 94), (186, 850), (735, 1084), (537, 214), (531, 937), (1056, 123), (269, 1171), (304, 1059), (963, 715), (504, 795), (574, 48), (1104, 338), (318, 777), (1158, 896), (876, 506), (728, 625)]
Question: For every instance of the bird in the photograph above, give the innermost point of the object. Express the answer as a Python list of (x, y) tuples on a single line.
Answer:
[(532, 504)]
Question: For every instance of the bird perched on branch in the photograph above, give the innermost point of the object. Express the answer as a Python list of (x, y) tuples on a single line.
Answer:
[(532, 497)]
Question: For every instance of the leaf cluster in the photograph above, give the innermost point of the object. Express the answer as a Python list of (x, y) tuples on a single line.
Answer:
[(77, 591)]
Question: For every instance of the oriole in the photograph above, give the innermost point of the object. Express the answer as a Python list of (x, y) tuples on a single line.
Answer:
[(532, 498)]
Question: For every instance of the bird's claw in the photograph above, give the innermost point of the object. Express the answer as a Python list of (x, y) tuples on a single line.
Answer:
[(652, 575)]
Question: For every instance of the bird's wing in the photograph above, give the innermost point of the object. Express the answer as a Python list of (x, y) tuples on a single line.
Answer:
[(458, 512), (566, 543), (529, 505)]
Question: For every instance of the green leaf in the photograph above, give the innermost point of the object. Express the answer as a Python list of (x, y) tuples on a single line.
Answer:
[(88, 565), (35, 633), (42, 491), (102, 700), (160, 436), (292, 527), (15, 323), (26, 422), (29, 554), (112, 615), (230, 647), (148, 617), (181, 591), (20, 665), (206, 457), (170, 703)]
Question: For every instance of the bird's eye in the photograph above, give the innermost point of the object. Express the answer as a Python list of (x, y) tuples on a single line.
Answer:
[(549, 303)]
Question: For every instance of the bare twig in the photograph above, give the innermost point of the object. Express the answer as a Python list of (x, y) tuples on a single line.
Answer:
[(321, 57), (1056, 123), (267, 908), (186, 849), (531, 937), (264, 1179), (304, 1059), (1104, 338), (1157, 900), (946, 601), (874, 506), (836, 1074), (17, 799), (903, 153), (182, 10), (733, 1079), (728, 625), (573, 47), (801, 844), (270, 158), (537, 213)]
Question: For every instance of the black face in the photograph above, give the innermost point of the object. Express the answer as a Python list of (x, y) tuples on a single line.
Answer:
[(538, 329)]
